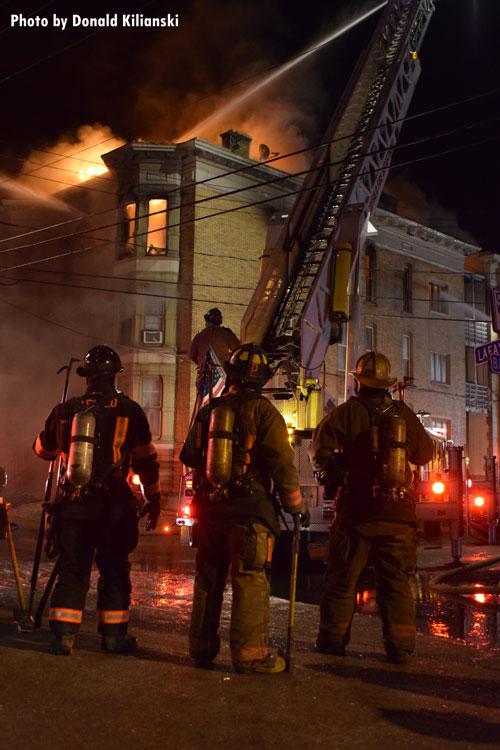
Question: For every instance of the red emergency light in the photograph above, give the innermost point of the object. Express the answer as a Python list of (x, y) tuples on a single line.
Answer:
[(136, 480), (438, 488), (479, 501)]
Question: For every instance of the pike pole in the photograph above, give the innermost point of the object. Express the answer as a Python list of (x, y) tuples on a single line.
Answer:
[(290, 662), (27, 623)]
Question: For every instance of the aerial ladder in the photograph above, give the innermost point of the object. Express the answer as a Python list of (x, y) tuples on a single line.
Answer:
[(308, 288)]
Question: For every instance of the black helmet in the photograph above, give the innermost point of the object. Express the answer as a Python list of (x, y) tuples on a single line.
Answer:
[(248, 365), (100, 360), (214, 316)]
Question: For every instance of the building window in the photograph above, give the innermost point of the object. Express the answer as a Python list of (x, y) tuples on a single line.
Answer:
[(152, 401), (438, 298), (477, 374), (342, 350), (369, 338), (154, 321), (440, 368), (156, 243), (407, 368), (407, 290), (129, 229), (441, 426), (370, 273), (475, 296)]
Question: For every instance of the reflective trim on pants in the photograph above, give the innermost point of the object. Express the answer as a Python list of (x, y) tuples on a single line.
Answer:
[(244, 548), (113, 617), (392, 553), (59, 614)]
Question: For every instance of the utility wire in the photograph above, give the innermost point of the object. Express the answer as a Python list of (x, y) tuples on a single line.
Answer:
[(29, 15), (276, 158), (41, 165), (32, 65), (138, 280), (255, 203), (265, 183), (125, 291)]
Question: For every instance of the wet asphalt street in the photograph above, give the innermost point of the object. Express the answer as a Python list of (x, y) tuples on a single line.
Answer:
[(448, 698)]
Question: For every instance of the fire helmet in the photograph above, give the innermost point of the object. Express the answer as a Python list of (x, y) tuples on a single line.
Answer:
[(247, 364), (373, 369), (214, 316), (100, 360)]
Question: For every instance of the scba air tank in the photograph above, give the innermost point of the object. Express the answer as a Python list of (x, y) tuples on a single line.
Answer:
[(220, 446), (81, 449), (393, 449)]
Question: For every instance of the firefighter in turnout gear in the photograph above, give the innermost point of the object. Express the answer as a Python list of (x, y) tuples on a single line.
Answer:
[(99, 436), (239, 449), (215, 335), (363, 448)]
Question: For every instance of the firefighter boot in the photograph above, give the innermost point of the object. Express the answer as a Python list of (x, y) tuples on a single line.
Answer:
[(62, 644), (122, 643), (333, 648), (272, 664), (396, 655)]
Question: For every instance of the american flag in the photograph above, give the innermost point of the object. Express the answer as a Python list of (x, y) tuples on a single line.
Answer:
[(214, 379)]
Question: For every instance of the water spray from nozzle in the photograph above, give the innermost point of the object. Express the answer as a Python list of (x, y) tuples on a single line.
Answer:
[(275, 74)]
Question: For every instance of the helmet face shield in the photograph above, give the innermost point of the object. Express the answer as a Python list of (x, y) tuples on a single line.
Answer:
[(100, 360), (373, 369), (248, 364)]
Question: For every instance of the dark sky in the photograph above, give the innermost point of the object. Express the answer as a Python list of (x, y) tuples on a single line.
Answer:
[(156, 84)]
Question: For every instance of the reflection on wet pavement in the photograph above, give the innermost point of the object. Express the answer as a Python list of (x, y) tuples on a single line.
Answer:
[(162, 583)]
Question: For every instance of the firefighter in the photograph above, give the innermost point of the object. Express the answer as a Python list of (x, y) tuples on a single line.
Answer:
[(236, 524), (101, 515), (215, 335), (352, 449)]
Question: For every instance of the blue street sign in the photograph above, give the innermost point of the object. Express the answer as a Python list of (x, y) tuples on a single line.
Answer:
[(495, 363), (485, 351)]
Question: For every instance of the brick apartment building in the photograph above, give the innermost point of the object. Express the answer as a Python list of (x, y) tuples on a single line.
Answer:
[(161, 241)]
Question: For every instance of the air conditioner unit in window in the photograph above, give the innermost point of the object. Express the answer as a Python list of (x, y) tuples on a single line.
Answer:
[(152, 337)]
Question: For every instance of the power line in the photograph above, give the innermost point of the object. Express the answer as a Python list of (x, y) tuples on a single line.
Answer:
[(122, 291), (29, 15), (93, 337), (41, 165), (277, 158), (265, 183), (232, 210), (135, 279)]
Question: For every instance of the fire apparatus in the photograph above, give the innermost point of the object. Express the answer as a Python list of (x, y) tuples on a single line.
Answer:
[(308, 288)]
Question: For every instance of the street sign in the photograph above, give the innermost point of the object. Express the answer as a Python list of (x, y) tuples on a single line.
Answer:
[(495, 363), (495, 310), (484, 352)]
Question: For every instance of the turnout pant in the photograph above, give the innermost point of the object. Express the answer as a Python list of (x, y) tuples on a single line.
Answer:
[(111, 541), (242, 548), (393, 550)]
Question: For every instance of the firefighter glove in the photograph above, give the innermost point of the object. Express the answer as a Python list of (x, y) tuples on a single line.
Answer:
[(305, 518), (153, 511)]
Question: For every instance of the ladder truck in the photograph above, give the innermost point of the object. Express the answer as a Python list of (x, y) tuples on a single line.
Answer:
[(308, 288)]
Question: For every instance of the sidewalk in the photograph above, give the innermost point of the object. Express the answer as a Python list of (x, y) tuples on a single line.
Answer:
[(447, 698)]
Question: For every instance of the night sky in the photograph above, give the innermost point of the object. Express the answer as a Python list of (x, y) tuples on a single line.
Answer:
[(158, 83)]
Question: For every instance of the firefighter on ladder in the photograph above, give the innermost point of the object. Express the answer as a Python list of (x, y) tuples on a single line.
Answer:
[(98, 435), (238, 445), (222, 340), (360, 452)]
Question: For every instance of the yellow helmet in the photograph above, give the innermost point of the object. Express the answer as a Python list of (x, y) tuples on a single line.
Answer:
[(373, 369)]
